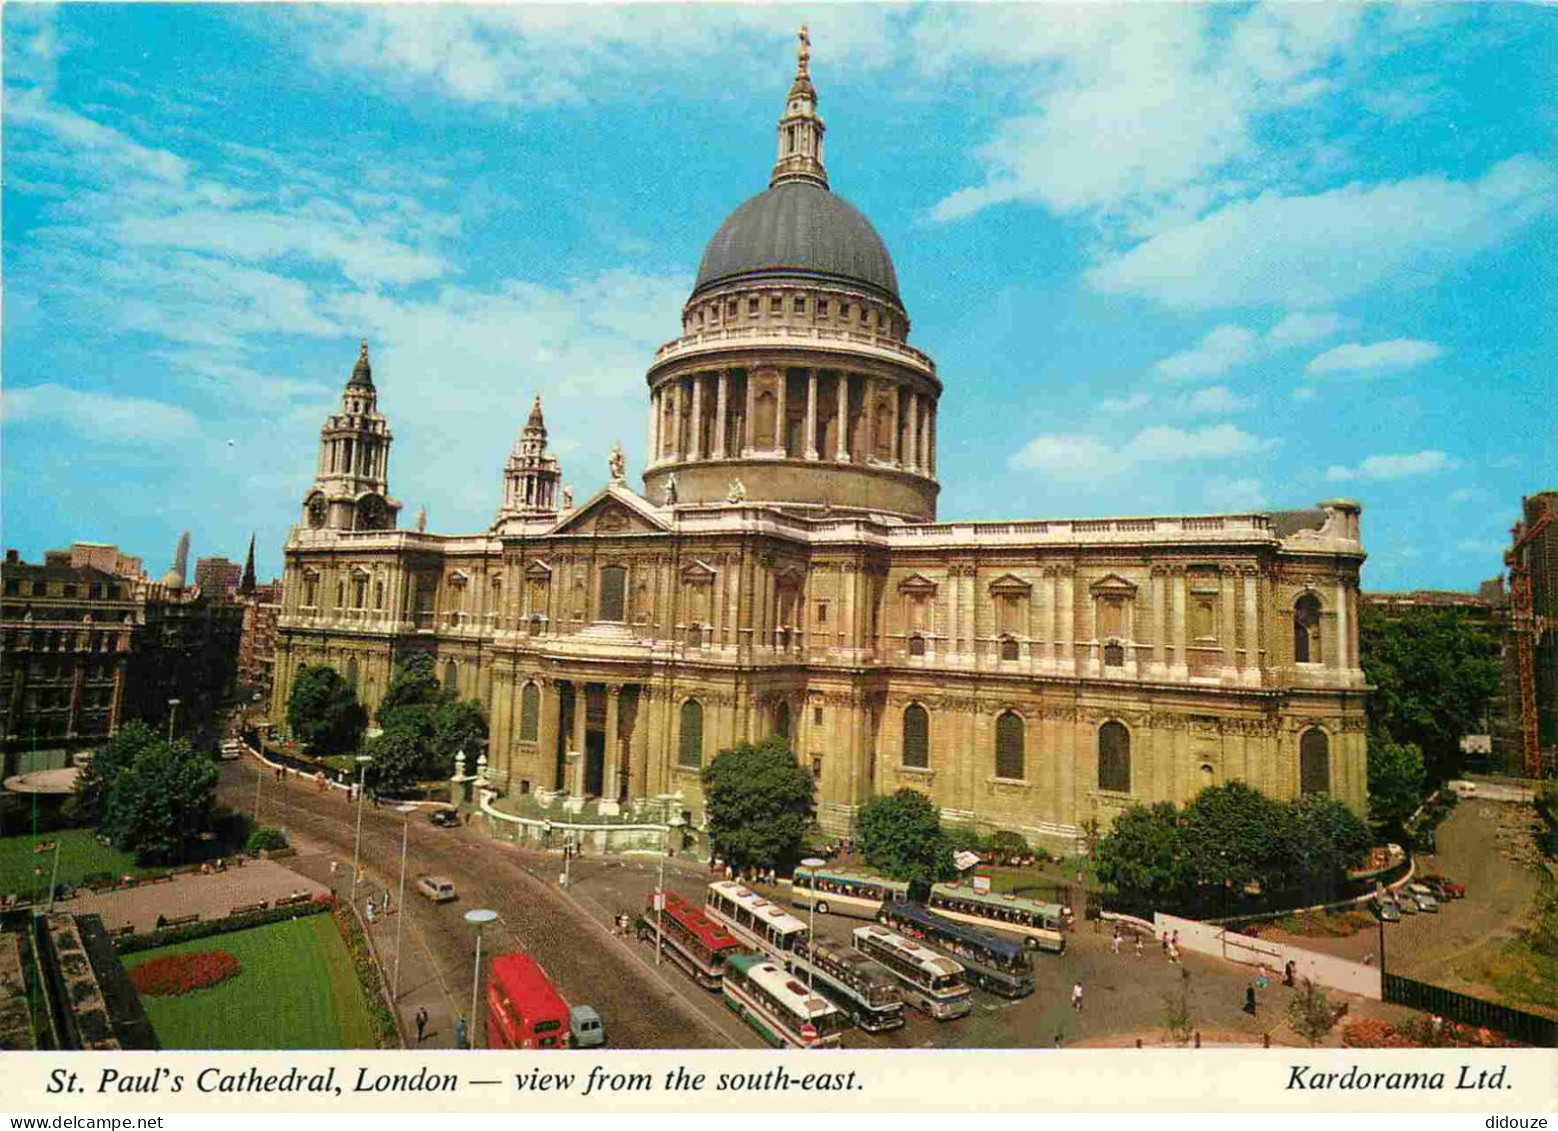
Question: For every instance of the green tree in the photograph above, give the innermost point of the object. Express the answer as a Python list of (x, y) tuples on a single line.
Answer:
[(1310, 1012), (1396, 780), (323, 712), (1434, 672), (901, 835), (1144, 852), (416, 704), (458, 724), (1232, 836), (1320, 839), (399, 758), (412, 684), (161, 802), (760, 803), (96, 781)]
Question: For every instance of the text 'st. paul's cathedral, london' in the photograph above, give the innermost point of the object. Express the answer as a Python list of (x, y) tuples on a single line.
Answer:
[(783, 573)]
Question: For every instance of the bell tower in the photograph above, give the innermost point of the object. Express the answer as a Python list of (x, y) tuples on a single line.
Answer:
[(531, 476), (351, 483)]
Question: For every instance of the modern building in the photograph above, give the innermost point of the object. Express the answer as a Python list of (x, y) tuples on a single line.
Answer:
[(783, 572), (82, 650), (218, 578), (1534, 554)]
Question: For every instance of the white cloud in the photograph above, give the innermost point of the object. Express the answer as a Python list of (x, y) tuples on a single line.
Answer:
[(1355, 357), (1131, 403), (1216, 400), (99, 415), (1385, 468), (1235, 495), (1304, 393), (1223, 348), (1300, 328), (1306, 251), (1074, 456), (1465, 494)]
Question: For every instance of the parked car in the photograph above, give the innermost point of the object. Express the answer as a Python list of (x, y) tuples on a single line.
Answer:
[(436, 888), (231, 749), (444, 818), (1387, 910), (1444, 888), (1406, 903), (1424, 898), (589, 1032)]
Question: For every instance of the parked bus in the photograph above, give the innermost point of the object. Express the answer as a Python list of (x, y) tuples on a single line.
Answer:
[(867, 993), (932, 983), (994, 962), (691, 939), (753, 919), (843, 892), (1039, 924), (769, 999), (524, 1009)]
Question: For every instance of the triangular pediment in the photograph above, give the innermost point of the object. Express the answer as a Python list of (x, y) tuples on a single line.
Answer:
[(1010, 583), (611, 511), (1113, 583), (458, 577), (538, 570), (917, 583), (698, 572)]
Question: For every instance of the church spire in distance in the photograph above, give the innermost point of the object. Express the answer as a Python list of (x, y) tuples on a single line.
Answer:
[(800, 126)]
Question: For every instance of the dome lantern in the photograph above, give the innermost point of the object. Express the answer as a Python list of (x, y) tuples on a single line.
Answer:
[(800, 127)]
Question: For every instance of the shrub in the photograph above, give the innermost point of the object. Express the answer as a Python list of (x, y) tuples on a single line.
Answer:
[(206, 927), (173, 974), (385, 1031), (1372, 1033), (265, 839)]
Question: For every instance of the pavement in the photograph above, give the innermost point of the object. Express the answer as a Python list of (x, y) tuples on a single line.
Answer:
[(190, 893)]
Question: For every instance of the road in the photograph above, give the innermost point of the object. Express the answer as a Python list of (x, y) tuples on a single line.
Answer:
[(642, 1007)]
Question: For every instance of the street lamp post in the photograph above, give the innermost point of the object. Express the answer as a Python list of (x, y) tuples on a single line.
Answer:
[(665, 850), (259, 778), (55, 878), (173, 710), (478, 918), (362, 774), (812, 863), (400, 905)]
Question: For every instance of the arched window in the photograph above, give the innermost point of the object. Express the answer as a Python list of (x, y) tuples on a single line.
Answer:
[(1314, 762), (1114, 757), (916, 737), (690, 751), (451, 676), (1009, 648), (782, 721), (613, 593), (1306, 630), (529, 713), (1009, 746), (916, 645)]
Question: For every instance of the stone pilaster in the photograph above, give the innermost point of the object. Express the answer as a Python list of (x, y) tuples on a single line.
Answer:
[(721, 414), (841, 438), (810, 450)]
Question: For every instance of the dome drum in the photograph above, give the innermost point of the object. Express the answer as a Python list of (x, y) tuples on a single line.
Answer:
[(837, 487)]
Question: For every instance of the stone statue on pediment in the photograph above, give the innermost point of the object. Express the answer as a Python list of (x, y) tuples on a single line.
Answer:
[(618, 463), (670, 489)]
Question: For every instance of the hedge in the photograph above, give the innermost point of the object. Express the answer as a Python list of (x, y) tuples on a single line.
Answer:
[(208, 927), (385, 1031)]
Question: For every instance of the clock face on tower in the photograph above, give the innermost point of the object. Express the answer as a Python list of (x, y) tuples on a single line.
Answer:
[(372, 513), (318, 510)]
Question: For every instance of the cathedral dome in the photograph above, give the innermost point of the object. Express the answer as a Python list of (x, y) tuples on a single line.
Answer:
[(798, 227)]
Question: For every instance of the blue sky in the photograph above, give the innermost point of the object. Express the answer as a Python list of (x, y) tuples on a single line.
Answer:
[(1168, 258)]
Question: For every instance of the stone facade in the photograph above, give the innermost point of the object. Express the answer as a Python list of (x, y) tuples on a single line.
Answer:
[(782, 573)]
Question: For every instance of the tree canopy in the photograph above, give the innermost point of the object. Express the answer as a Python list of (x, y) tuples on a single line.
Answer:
[(96, 781), (429, 725), (161, 801), (399, 757), (760, 804), (901, 835), (323, 711), (1396, 779), (1434, 672)]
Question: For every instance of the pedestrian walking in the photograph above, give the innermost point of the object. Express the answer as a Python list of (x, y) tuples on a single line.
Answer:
[(1138, 946), (1249, 1000), (370, 913), (1165, 942), (421, 1023), (1114, 944), (1287, 974), (1076, 996), (1173, 954), (459, 1033), (1174, 941), (1263, 981), (333, 865)]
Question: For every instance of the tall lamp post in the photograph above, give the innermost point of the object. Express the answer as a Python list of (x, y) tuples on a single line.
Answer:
[(400, 904), (362, 774), (173, 710), (665, 850), (478, 918), (812, 863)]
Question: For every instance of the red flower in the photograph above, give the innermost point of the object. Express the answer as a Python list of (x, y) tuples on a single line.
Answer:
[(174, 974)]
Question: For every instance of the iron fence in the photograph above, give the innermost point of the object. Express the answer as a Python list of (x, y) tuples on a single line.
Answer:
[(1527, 1028)]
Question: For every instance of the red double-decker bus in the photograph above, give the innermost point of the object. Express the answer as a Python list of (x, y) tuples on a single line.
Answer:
[(691, 939), (524, 1009)]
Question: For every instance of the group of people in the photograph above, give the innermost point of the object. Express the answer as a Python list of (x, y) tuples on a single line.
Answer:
[(744, 875)]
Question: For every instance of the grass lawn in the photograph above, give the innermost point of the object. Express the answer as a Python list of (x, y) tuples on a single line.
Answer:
[(80, 855), (296, 991)]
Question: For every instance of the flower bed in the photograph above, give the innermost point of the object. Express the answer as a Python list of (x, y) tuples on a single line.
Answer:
[(175, 974), (1419, 1033)]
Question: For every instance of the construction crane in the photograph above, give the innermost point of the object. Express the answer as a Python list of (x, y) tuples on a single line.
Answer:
[(1527, 626)]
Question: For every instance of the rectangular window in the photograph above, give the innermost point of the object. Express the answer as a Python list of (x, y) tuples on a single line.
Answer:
[(776, 305), (816, 716), (822, 612), (816, 766), (822, 308), (11, 588), (800, 306), (752, 307), (843, 310)]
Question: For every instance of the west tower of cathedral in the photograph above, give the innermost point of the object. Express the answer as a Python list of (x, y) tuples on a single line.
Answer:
[(783, 573)]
